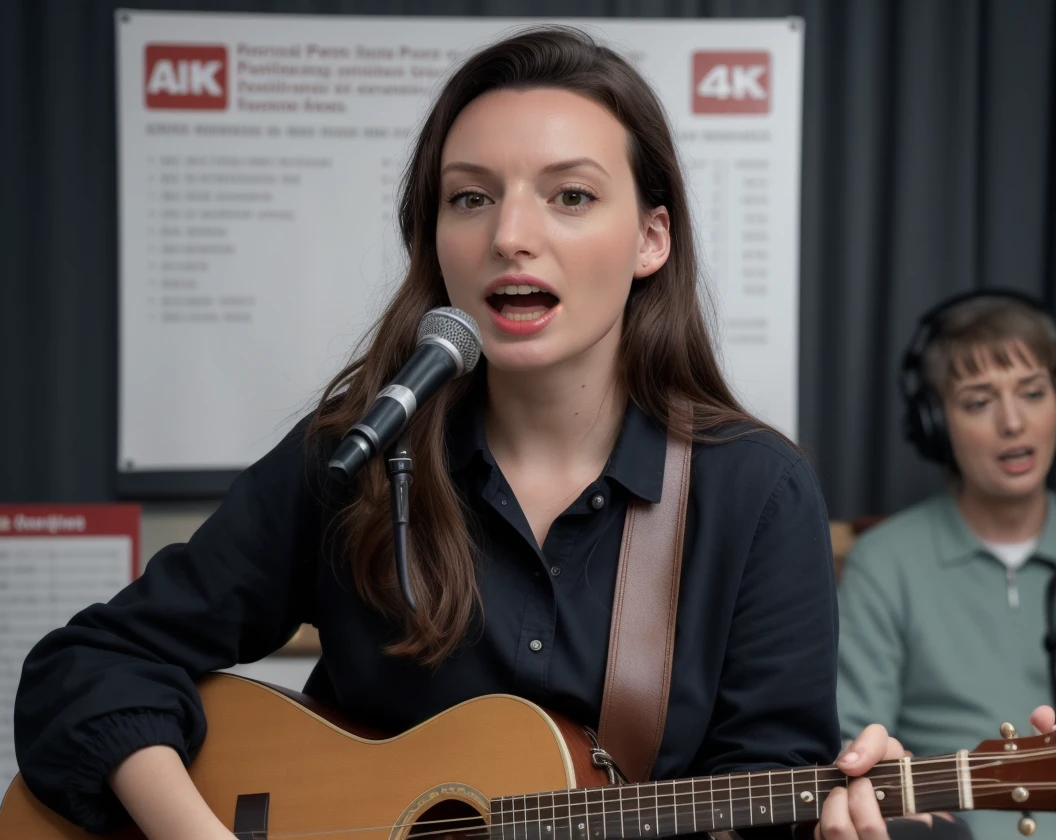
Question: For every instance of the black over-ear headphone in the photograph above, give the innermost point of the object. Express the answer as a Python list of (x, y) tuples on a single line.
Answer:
[(924, 423)]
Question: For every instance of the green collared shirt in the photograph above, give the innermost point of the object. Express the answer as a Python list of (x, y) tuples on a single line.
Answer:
[(940, 642)]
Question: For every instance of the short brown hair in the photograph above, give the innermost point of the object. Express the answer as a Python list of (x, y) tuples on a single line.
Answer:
[(997, 327)]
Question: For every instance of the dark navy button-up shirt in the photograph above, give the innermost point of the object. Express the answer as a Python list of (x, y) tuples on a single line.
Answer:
[(753, 682)]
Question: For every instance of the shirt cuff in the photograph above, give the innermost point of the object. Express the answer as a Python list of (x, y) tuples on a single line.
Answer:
[(91, 801)]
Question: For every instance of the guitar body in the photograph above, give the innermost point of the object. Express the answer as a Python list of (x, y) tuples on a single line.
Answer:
[(321, 776)]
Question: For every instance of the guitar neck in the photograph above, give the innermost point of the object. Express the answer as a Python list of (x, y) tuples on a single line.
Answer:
[(711, 803)]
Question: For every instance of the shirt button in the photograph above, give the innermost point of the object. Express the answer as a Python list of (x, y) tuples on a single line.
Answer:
[(502, 502), (555, 570), (598, 502), (535, 645)]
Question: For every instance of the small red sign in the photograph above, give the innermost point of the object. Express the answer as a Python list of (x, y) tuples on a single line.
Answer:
[(93, 520), (185, 77), (731, 83)]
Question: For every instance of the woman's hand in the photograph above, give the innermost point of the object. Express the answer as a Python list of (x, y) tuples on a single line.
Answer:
[(852, 813), (1043, 719)]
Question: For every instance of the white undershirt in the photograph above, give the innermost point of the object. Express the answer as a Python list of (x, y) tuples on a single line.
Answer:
[(1013, 555)]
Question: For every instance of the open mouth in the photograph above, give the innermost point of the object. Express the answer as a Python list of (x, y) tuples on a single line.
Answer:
[(1018, 461), (1016, 454), (521, 302)]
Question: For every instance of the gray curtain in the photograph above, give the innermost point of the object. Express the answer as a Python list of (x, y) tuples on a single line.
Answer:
[(927, 170)]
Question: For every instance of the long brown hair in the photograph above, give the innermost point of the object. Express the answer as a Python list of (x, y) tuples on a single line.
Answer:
[(667, 361)]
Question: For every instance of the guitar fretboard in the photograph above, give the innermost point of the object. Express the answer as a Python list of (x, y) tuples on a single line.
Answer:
[(711, 803)]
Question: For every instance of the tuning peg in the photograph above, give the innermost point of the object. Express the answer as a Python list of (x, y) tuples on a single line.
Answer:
[(1027, 825), (1008, 730)]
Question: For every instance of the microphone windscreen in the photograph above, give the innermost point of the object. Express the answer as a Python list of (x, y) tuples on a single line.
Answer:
[(455, 327)]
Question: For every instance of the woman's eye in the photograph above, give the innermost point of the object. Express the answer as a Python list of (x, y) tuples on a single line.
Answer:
[(470, 200), (574, 199), (975, 405), (1035, 395)]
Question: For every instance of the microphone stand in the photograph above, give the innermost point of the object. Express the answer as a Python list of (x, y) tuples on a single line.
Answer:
[(400, 468)]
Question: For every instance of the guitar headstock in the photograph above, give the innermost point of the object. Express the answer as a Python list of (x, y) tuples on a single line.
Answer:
[(1013, 773)]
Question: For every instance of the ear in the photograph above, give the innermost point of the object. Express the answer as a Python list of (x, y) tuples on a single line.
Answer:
[(655, 244)]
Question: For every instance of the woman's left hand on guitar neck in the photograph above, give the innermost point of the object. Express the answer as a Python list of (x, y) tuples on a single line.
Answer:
[(853, 813)]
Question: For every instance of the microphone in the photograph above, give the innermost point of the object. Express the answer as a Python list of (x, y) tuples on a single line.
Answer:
[(448, 346)]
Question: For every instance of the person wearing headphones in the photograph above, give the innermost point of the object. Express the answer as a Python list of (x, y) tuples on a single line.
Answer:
[(943, 606)]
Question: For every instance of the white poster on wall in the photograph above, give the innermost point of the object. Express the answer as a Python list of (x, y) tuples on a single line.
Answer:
[(259, 162)]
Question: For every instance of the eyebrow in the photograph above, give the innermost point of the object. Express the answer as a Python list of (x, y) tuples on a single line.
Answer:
[(559, 166), (986, 386)]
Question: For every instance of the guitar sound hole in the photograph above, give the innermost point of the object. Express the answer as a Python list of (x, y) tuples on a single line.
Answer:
[(451, 819)]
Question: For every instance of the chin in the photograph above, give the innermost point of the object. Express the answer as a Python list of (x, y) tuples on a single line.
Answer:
[(1023, 488), (522, 359), (536, 353)]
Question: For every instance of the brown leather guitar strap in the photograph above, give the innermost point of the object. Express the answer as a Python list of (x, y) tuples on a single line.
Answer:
[(642, 635)]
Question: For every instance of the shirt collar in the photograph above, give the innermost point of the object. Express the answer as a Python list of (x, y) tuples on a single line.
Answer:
[(956, 543), (636, 462), (637, 459)]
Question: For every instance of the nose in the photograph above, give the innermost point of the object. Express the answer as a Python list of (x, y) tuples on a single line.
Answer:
[(1010, 417), (518, 226)]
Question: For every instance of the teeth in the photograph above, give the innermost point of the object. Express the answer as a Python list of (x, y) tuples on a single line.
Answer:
[(522, 289), (523, 316), (1016, 453)]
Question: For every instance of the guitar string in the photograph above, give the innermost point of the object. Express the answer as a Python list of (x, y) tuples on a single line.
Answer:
[(1024, 756), (976, 761), (480, 832), (715, 796), (978, 786)]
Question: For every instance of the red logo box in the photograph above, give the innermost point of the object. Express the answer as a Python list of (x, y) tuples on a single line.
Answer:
[(731, 83), (185, 77)]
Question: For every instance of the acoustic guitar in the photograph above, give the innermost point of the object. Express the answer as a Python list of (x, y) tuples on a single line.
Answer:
[(501, 768)]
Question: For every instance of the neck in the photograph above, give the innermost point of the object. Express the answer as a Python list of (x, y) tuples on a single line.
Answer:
[(554, 419), (654, 810), (1002, 520)]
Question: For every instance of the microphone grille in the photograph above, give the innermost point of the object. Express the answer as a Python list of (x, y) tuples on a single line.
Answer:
[(455, 327)]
